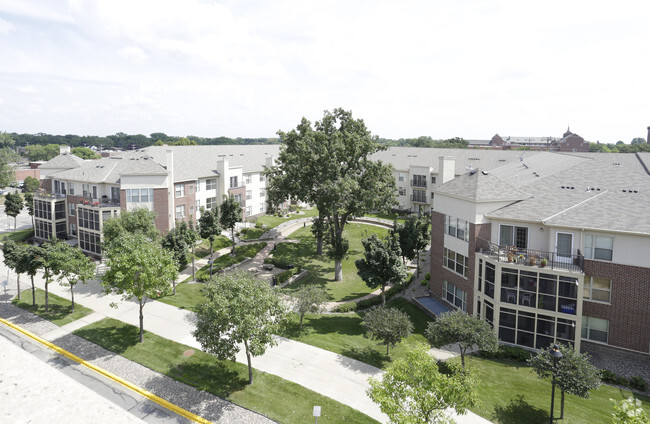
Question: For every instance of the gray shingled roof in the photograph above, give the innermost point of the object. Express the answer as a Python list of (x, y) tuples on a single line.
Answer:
[(109, 170), (63, 160), (481, 186)]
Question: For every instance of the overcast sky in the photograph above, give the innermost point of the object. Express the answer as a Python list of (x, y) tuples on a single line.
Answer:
[(450, 68)]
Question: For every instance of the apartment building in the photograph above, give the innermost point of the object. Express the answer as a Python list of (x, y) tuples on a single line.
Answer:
[(78, 195), (552, 248)]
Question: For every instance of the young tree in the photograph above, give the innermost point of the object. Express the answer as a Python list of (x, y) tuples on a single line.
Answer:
[(30, 261), (574, 373), (138, 267), (31, 184), (191, 236), (230, 216), (174, 242), (11, 251), (7, 174), (389, 325), (71, 266), (13, 205), (239, 310), (330, 166), (414, 236), (209, 227), (414, 391), (136, 221), (462, 329), (308, 299), (381, 264), (85, 153), (629, 412)]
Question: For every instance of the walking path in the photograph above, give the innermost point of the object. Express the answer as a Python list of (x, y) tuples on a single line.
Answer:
[(336, 376)]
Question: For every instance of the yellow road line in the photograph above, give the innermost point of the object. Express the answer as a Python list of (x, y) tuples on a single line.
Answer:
[(160, 401)]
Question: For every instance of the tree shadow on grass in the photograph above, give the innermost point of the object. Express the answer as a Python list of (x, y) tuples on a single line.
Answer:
[(216, 377), (518, 411), (340, 324), (367, 355), (115, 339)]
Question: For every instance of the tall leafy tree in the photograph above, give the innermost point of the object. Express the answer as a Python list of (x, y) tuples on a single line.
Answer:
[(71, 266), (390, 325), (329, 165), (239, 310), (381, 264), (209, 228), (7, 175), (414, 391), (30, 261), (457, 327), (31, 184), (574, 372), (11, 252), (175, 243), (230, 216), (13, 205), (414, 236), (29, 204), (191, 236), (139, 221), (85, 153), (138, 267), (308, 299)]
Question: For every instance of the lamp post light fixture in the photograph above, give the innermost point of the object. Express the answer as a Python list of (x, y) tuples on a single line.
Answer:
[(316, 413), (557, 355)]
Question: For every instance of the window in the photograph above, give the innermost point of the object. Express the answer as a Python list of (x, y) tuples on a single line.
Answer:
[(70, 188), (599, 247), (191, 188), (598, 289), (85, 188), (419, 181), (237, 198), (71, 209), (57, 187), (180, 212), (94, 192), (139, 195), (595, 329), (191, 210), (456, 227), (249, 194), (402, 191), (419, 196), (262, 207), (510, 235), (454, 261), (433, 179), (431, 195), (249, 210), (248, 178), (233, 182), (180, 190), (210, 202), (211, 184), (262, 192), (401, 176), (454, 295), (262, 179)]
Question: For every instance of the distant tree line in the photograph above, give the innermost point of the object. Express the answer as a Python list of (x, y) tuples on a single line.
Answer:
[(637, 145), (426, 141)]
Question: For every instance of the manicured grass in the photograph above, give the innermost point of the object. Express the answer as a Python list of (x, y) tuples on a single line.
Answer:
[(252, 233), (321, 268), (241, 252), (510, 393), (17, 236), (391, 216), (272, 221), (203, 249), (60, 308), (344, 334), (188, 296), (269, 395)]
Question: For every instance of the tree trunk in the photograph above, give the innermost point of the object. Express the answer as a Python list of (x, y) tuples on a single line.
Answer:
[(462, 357), (562, 406), (141, 321), (47, 298), (211, 259), (18, 285), (33, 292), (319, 244), (338, 270), (174, 287), (250, 366), (193, 266), (72, 298), (232, 234), (15, 219), (383, 295), (301, 317), (417, 269), (387, 349)]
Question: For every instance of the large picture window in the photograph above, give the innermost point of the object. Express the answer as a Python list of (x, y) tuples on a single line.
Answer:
[(454, 295), (510, 235), (457, 227), (597, 289), (599, 247), (139, 195), (595, 329), (454, 261), (211, 184)]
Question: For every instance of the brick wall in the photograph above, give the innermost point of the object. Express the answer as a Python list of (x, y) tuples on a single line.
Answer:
[(242, 192), (598, 350), (629, 311), (188, 200), (161, 208), (437, 243)]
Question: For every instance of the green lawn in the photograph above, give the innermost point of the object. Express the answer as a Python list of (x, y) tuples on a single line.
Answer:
[(269, 395), (272, 221), (252, 233), (391, 216), (321, 268), (60, 308), (511, 393), (241, 252), (203, 249), (188, 296), (344, 334), (17, 236)]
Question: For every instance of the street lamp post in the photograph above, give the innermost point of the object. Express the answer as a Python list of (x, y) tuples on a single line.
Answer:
[(557, 355), (210, 261)]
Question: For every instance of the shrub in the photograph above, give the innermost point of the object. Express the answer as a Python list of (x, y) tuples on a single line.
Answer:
[(285, 275), (639, 384), (259, 225), (278, 263), (511, 353), (346, 307), (427, 276), (376, 300)]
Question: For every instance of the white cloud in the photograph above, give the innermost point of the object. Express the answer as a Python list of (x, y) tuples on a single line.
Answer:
[(6, 27), (27, 89), (133, 54)]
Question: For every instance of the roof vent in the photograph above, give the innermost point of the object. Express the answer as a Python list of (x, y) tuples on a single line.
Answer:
[(484, 172)]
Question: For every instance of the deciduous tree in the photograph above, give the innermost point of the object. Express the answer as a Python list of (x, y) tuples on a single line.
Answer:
[(191, 236), (574, 373), (138, 267), (414, 236), (209, 227), (13, 205), (457, 327), (30, 184), (71, 266), (11, 252), (7, 175), (230, 216), (389, 325), (329, 165), (139, 221), (381, 264), (414, 391), (239, 310), (85, 153), (308, 299)]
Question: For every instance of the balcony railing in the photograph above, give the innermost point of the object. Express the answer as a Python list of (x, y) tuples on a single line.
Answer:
[(531, 257), (419, 199), (418, 183)]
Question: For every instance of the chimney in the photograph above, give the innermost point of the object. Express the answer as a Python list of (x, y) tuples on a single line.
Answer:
[(446, 169), (65, 150)]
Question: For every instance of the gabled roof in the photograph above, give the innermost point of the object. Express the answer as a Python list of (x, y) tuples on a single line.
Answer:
[(63, 160), (481, 186), (109, 170)]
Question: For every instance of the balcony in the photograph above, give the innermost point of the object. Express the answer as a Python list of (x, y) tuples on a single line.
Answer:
[(104, 202), (419, 199), (419, 183), (531, 257)]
